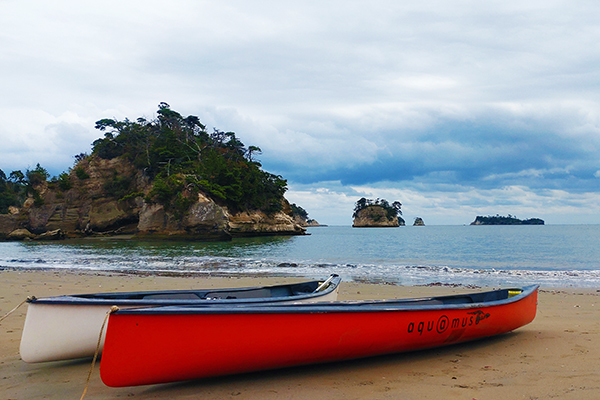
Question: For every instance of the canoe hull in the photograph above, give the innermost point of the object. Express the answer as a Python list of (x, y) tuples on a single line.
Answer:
[(68, 327), (160, 348), (60, 332)]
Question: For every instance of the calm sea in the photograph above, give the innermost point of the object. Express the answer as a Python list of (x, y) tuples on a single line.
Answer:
[(551, 255)]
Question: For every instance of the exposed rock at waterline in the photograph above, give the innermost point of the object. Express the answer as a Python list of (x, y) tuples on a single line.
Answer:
[(111, 200)]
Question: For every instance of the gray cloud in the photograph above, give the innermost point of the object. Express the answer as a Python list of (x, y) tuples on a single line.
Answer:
[(464, 99)]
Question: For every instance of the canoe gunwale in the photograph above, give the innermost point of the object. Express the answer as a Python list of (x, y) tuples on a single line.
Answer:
[(338, 306), (120, 299)]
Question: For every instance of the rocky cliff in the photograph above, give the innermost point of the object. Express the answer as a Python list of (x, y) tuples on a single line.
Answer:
[(108, 197), (306, 222), (375, 217)]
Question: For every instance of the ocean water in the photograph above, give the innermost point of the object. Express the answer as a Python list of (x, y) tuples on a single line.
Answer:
[(550, 255)]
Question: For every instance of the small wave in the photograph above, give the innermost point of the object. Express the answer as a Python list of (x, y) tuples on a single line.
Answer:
[(181, 260)]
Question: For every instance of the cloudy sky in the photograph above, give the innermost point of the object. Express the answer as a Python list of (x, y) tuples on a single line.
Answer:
[(454, 108)]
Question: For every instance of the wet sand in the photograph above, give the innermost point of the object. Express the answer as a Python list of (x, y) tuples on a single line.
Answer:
[(556, 356)]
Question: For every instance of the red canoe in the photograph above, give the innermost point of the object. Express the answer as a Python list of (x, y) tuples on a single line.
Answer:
[(168, 344)]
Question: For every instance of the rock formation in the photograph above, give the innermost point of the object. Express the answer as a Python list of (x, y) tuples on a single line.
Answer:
[(108, 197), (419, 222), (306, 222), (375, 217)]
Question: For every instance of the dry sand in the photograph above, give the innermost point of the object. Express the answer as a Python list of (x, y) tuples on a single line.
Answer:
[(557, 356)]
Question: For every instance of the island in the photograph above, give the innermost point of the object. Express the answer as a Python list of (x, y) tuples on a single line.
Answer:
[(377, 213), (508, 220), (418, 222), (300, 216), (167, 178)]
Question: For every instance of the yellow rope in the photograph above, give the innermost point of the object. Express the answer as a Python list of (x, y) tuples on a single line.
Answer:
[(112, 310), (15, 309)]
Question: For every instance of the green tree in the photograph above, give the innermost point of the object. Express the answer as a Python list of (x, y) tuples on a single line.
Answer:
[(173, 145), (7, 196), (17, 177), (12, 190), (392, 211), (299, 211), (37, 175)]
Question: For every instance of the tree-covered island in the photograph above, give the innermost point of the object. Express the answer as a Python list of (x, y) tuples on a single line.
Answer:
[(508, 220), (163, 178), (301, 216), (377, 213)]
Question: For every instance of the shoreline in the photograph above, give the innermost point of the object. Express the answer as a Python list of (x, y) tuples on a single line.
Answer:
[(220, 274), (510, 276), (554, 356)]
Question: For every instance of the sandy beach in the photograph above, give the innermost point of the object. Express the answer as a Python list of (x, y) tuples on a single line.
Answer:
[(556, 356)]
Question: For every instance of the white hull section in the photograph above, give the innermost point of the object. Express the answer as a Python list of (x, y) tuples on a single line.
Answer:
[(60, 332)]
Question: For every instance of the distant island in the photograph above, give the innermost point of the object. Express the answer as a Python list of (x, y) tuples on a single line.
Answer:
[(419, 222), (509, 220), (377, 213), (300, 216)]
